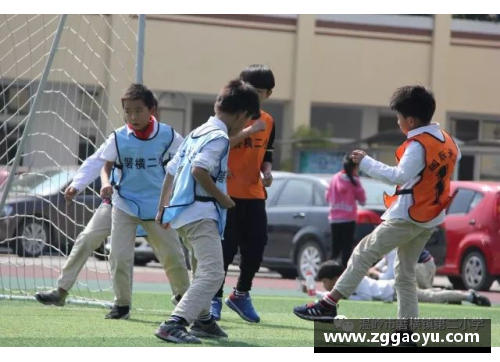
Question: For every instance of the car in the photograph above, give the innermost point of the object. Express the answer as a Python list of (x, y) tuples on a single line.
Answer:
[(472, 227), (36, 217)]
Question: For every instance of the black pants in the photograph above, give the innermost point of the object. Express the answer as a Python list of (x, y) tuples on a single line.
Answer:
[(246, 230), (342, 241)]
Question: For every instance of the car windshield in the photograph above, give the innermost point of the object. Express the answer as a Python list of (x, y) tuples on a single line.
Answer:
[(41, 182), (374, 190)]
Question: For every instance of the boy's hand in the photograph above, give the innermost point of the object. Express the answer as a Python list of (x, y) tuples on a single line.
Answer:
[(70, 193), (268, 179), (357, 156), (226, 202), (258, 126), (106, 191)]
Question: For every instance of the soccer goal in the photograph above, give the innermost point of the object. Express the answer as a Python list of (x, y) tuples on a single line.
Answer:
[(61, 78)]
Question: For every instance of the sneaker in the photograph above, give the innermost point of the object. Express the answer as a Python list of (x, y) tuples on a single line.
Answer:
[(207, 330), (118, 313), (216, 308), (315, 311), (479, 300), (175, 333), (51, 297), (243, 306)]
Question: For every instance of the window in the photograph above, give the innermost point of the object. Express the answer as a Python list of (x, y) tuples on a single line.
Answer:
[(386, 123), (14, 99), (462, 202), (478, 197), (337, 122), (319, 197), (490, 131), (89, 103), (465, 130), (274, 189), (296, 193), (86, 147), (490, 167)]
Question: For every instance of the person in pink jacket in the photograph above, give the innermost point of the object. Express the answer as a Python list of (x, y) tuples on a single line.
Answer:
[(342, 193)]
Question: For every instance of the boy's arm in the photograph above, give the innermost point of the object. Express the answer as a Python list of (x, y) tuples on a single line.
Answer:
[(257, 126), (411, 164), (88, 172), (203, 177), (166, 191), (106, 188), (267, 165)]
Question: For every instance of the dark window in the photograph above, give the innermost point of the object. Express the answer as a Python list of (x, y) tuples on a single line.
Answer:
[(478, 197), (274, 189), (296, 193), (462, 202), (86, 147), (337, 122), (466, 130), (386, 123)]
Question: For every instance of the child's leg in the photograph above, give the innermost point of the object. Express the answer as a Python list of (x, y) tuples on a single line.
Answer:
[(347, 236), (386, 237), (170, 254), (442, 296), (205, 240), (122, 255), (98, 228), (405, 280)]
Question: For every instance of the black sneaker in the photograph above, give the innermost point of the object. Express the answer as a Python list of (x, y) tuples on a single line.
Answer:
[(480, 300), (207, 330), (118, 313), (175, 333), (51, 297), (315, 311)]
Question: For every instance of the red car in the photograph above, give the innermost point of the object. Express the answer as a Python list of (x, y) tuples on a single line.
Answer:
[(473, 235)]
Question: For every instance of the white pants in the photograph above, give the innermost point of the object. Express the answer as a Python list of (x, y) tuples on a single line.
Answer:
[(207, 264), (165, 243), (409, 239)]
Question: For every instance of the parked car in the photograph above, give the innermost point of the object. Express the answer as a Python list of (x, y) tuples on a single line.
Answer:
[(36, 217), (473, 235)]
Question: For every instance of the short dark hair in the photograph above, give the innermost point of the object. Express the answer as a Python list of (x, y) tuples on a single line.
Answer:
[(237, 96), (140, 91), (329, 269), (414, 101), (259, 76)]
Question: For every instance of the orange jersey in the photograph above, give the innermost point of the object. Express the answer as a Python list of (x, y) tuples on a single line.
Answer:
[(431, 194), (245, 162)]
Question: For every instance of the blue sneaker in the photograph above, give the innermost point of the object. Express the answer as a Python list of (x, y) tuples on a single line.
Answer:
[(216, 308), (243, 306), (315, 311)]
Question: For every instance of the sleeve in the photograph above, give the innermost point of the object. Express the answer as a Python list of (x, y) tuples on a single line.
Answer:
[(89, 170), (411, 164), (268, 156), (359, 192), (109, 152), (210, 155), (173, 164)]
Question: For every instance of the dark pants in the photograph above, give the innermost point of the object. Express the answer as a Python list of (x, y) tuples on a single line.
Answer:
[(246, 230), (342, 241)]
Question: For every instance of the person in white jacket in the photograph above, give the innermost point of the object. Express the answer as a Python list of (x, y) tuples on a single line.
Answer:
[(383, 290)]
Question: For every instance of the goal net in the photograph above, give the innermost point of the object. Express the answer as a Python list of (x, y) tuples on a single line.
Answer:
[(94, 59)]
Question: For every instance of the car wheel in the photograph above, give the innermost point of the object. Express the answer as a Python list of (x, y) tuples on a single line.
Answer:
[(309, 257), (457, 283), (141, 262), (475, 273), (32, 238)]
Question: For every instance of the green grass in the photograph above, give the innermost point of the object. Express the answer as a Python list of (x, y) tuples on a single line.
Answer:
[(31, 324)]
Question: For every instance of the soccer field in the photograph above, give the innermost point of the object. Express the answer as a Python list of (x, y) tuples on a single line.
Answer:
[(32, 324)]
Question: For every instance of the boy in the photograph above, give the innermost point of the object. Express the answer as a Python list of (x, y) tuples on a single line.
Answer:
[(383, 290), (246, 228), (98, 228), (197, 209), (137, 150), (425, 166)]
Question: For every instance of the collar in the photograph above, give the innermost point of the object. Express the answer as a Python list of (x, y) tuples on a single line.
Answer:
[(218, 123), (431, 128), (144, 135)]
